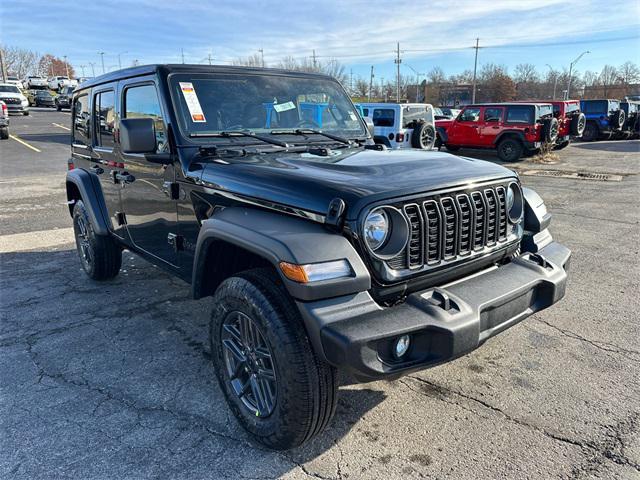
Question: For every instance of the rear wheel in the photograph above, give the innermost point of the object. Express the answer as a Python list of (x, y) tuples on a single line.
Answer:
[(275, 385), (510, 150), (590, 132), (578, 123), (561, 145), (100, 255), (25, 113), (4, 133)]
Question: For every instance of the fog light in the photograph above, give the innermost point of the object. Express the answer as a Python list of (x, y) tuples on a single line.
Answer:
[(401, 346)]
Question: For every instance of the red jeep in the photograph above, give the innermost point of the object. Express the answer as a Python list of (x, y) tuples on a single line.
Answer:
[(571, 121), (513, 129)]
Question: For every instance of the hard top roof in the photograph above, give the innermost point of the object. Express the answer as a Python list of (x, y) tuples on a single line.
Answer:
[(191, 68), (506, 104)]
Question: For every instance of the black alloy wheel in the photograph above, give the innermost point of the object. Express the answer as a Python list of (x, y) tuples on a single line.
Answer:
[(249, 364)]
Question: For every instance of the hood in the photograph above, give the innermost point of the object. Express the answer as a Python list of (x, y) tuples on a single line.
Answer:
[(12, 95), (359, 177)]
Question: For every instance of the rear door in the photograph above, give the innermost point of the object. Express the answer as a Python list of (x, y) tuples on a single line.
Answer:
[(465, 130), (491, 125), (151, 213)]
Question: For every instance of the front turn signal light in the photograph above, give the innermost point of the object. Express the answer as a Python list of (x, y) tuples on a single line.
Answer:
[(315, 272)]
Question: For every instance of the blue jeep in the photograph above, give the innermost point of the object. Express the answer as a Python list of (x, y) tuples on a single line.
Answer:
[(604, 118)]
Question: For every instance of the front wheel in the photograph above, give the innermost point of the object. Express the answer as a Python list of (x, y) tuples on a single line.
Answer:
[(278, 389), (4, 133), (509, 150), (25, 113), (590, 132), (100, 255)]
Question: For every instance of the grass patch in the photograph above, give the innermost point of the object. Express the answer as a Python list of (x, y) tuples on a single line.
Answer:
[(546, 155)]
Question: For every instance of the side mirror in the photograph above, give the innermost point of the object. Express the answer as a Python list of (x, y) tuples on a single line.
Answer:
[(370, 125), (137, 135)]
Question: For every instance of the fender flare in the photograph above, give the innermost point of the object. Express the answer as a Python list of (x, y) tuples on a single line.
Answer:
[(536, 216), (276, 237), (88, 185), (516, 133)]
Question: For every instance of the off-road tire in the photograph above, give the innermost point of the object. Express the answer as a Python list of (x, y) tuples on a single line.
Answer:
[(617, 119), (550, 130), (25, 113), (578, 124), (306, 387), (590, 132), (104, 257), (4, 133), (452, 148), (561, 145), (423, 136), (59, 108), (510, 150)]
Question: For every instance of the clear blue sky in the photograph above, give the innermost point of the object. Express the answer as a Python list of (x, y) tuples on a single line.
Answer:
[(358, 33)]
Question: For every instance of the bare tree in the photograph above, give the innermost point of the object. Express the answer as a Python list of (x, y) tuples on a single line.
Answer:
[(629, 73), (527, 81), (20, 61), (254, 60), (608, 78), (361, 87)]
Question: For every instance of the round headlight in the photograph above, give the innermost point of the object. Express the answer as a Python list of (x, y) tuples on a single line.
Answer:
[(514, 202), (376, 229)]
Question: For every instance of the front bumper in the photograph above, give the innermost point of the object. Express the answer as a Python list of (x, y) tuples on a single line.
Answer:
[(16, 108), (354, 333)]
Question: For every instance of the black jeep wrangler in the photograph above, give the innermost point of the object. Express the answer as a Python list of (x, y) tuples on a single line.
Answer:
[(323, 251)]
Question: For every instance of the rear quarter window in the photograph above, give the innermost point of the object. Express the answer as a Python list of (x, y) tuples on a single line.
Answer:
[(520, 114), (384, 117)]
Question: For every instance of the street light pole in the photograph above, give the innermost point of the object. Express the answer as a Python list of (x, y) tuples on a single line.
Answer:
[(93, 70), (475, 71), (571, 70), (417, 79), (120, 61), (102, 58), (66, 65)]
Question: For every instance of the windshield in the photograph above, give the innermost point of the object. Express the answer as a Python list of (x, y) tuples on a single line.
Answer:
[(42, 93), (9, 89), (214, 103)]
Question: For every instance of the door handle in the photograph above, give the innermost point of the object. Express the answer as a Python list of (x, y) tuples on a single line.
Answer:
[(98, 170), (123, 177), (496, 128)]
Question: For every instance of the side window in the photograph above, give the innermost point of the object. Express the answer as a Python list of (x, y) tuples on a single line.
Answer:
[(492, 114), (470, 115), (383, 117), (82, 120), (520, 114), (413, 114), (104, 111), (142, 102)]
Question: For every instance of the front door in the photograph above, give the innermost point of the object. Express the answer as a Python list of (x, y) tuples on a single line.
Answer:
[(465, 129), (151, 215)]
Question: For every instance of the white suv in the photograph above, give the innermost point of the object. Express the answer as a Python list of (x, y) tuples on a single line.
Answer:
[(402, 125)]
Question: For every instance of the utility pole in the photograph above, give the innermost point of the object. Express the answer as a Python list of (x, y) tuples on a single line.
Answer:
[(383, 89), (66, 65), (475, 71), (555, 80), (3, 72), (209, 58), (102, 58), (82, 68), (262, 56), (571, 70), (370, 84), (182, 54), (351, 81), (398, 61), (120, 60), (315, 62), (93, 70)]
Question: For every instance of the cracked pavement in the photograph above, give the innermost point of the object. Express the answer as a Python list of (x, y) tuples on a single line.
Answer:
[(113, 380)]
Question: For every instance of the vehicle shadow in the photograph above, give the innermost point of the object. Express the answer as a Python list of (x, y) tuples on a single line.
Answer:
[(620, 146), (134, 355), (60, 138)]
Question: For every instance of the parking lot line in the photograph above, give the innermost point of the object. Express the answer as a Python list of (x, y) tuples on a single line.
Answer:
[(20, 242), (61, 126), (19, 140)]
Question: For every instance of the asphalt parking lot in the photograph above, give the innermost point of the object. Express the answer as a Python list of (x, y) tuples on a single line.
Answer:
[(113, 380)]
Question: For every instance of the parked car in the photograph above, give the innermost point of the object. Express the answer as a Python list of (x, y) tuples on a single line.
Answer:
[(13, 80), (33, 82), (438, 114), (571, 121), (63, 100), (449, 111), (43, 98), (59, 82), (402, 125), (14, 99), (631, 127), (512, 129), (604, 118), (4, 121), (321, 249)]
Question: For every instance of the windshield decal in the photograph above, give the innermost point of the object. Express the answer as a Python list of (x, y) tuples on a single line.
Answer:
[(283, 107), (193, 104)]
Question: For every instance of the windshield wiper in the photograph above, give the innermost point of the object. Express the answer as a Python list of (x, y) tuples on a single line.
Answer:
[(306, 131), (241, 133)]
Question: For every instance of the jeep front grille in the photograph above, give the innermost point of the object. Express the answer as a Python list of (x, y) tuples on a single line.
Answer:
[(452, 226)]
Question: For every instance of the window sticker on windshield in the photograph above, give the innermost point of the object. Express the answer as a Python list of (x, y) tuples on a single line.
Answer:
[(352, 116), (283, 107), (193, 104)]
